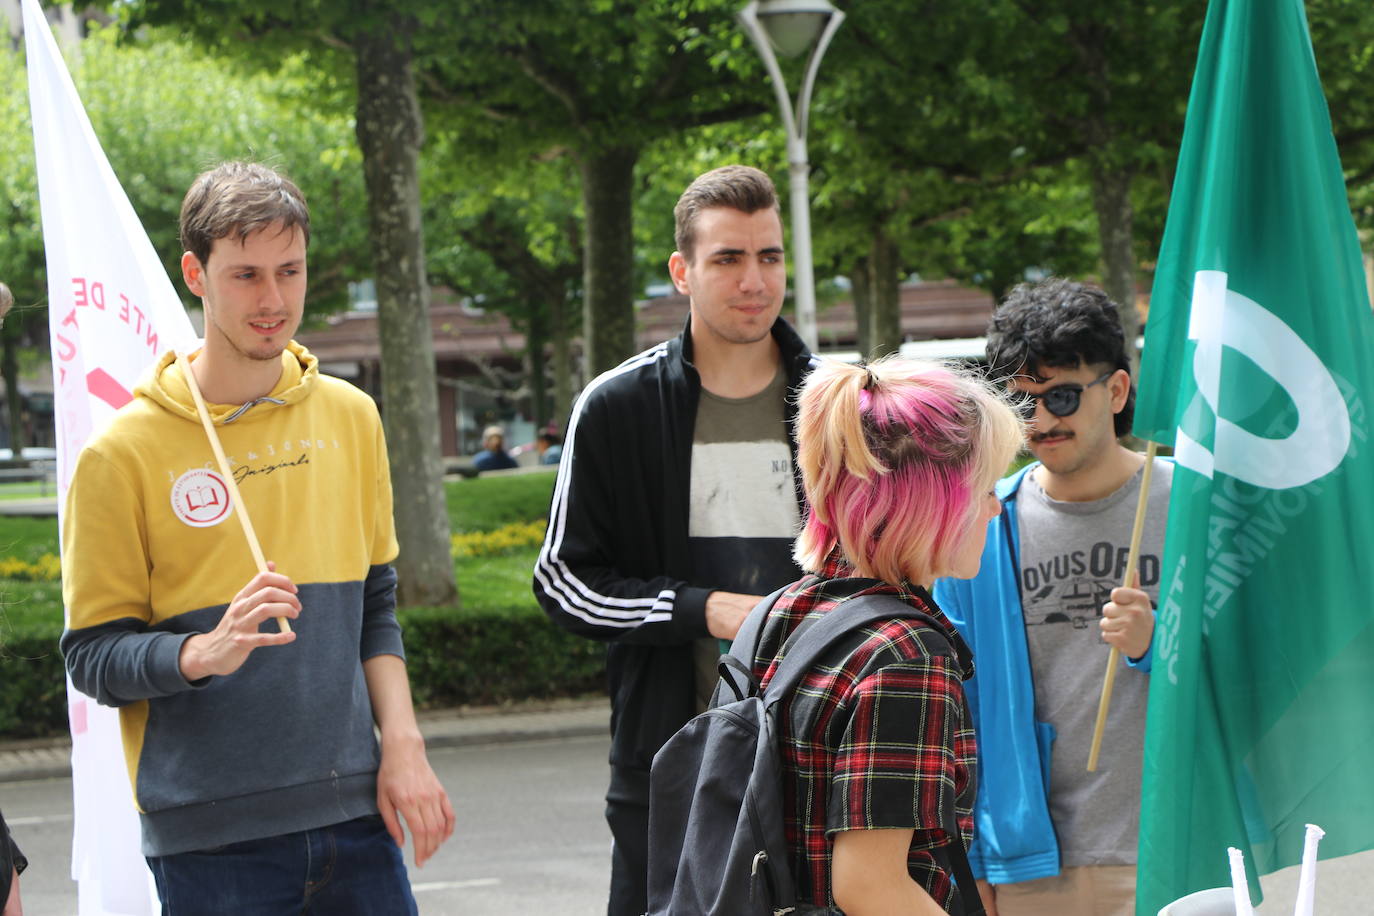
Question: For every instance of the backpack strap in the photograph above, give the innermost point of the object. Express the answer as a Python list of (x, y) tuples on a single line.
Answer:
[(848, 616), (737, 667), (963, 874)]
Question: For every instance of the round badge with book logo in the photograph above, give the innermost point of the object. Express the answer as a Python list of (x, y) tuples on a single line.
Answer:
[(200, 498)]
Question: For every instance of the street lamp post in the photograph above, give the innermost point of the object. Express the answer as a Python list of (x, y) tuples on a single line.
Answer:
[(790, 27)]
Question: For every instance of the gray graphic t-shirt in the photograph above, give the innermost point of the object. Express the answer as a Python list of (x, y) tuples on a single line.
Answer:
[(743, 504), (1072, 555)]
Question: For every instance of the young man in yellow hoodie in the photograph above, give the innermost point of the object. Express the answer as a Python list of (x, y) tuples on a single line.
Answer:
[(260, 784)]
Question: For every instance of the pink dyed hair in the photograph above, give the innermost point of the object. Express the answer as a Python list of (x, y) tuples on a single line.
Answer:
[(893, 456)]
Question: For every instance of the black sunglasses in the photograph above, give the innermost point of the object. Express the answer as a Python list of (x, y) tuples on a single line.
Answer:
[(1061, 400)]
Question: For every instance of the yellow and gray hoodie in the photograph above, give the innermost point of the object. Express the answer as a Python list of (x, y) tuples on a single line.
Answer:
[(153, 555)]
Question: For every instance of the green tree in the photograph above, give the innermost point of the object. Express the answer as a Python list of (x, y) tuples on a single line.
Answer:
[(600, 80), (1108, 84), (21, 236), (513, 245), (1343, 41), (919, 165), (952, 141), (145, 99)]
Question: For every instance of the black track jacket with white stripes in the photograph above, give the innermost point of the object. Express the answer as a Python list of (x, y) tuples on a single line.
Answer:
[(616, 565)]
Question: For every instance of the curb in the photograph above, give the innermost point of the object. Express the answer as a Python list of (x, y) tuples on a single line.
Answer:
[(42, 507), (39, 759), (50, 758)]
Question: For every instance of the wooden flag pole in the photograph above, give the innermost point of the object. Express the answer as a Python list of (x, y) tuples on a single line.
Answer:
[(1131, 560), (239, 508)]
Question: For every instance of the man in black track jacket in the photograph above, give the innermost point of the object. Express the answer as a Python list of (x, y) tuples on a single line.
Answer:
[(676, 502)]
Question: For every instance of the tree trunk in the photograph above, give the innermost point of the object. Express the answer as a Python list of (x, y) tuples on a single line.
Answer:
[(390, 132), (886, 294), (859, 289), (1115, 224), (536, 337), (14, 403), (608, 284), (562, 366)]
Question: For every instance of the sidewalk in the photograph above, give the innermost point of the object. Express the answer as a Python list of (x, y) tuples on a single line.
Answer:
[(50, 758), (38, 507)]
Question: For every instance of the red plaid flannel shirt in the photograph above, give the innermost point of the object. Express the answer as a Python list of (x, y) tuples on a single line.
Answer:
[(877, 736)]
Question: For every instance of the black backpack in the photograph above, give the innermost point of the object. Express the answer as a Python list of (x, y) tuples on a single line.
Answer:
[(717, 845)]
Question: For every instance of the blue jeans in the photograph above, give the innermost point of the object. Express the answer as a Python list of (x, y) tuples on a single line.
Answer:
[(348, 869)]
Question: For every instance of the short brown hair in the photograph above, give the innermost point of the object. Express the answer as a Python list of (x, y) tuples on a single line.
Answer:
[(237, 199), (738, 187)]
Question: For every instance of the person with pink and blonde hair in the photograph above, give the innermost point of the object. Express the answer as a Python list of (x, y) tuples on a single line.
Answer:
[(898, 460)]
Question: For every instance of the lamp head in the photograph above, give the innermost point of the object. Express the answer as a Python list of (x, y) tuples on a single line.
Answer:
[(793, 25)]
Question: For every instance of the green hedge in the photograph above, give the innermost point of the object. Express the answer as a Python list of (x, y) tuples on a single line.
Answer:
[(33, 683), (497, 647), (495, 655), (455, 658)]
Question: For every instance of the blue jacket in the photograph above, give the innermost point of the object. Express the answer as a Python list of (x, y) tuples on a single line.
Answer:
[(1013, 836)]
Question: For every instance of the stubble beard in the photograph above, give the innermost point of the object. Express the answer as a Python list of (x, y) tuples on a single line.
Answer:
[(745, 340), (742, 335), (238, 351)]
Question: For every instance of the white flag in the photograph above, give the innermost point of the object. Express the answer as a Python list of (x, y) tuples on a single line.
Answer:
[(111, 312)]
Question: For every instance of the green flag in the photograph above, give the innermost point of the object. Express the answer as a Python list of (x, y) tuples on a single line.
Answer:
[(1258, 369)]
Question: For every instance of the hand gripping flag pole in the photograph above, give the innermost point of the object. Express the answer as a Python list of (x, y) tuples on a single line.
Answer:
[(1132, 559), (240, 509)]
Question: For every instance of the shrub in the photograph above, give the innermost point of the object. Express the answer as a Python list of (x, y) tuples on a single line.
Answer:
[(46, 568), (33, 702), (503, 540), (492, 655), (454, 657), (499, 646)]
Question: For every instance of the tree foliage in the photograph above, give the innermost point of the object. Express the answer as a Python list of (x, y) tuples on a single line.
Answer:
[(598, 80), (163, 111), (980, 141), (1343, 41), (148, 100), (974, 141), (512, 245)]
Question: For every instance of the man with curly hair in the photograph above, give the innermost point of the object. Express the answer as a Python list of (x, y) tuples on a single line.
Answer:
[(1046, 608)]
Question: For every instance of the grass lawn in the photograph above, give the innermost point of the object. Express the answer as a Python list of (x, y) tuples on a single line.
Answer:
[(497, 581), (27, 538), (485, 503)]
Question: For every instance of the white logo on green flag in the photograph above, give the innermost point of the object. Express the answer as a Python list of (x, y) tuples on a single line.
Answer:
[(1221, 317)]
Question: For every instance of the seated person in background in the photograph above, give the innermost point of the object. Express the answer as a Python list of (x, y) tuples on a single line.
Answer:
[(898, 460), (549, 447), (493, 456)]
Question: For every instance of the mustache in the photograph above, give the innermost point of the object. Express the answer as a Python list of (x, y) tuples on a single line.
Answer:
[(1051, 434)]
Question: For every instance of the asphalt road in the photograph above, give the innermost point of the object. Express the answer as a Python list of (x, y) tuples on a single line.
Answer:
[(530, 836), (530, 839)]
